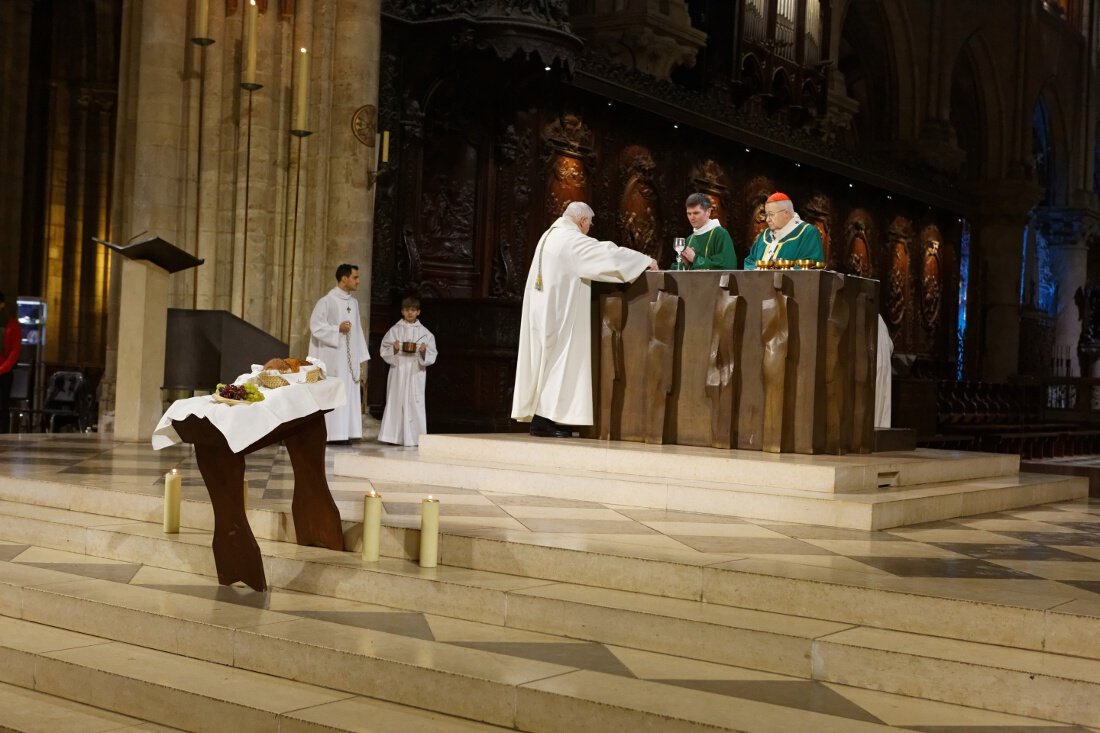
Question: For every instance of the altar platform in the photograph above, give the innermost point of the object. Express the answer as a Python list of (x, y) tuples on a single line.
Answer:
[(857, 491)]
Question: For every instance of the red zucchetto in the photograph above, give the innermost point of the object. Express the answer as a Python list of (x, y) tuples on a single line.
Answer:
[(778, 196)]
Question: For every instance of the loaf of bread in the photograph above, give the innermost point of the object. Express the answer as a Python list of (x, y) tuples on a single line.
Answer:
[(278, 365)]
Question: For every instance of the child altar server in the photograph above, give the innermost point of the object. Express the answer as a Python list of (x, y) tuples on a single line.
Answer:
[(409, 349)]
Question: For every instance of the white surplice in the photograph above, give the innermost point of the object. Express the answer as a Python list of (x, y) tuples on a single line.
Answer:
[(554, 365), (404, 419), (343, 355)]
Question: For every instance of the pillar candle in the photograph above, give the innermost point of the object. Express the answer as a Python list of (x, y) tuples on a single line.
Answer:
[(252, 14), (372, 525), (202, 18), (385, 146), (172, 481), (429, 532), (245, 495), (301, 92)]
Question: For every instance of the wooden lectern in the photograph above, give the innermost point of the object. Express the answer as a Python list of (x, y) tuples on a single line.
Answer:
[(142, 323)]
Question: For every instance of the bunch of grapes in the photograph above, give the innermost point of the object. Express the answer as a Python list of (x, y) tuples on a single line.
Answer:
[(252, 392), (232, 392)]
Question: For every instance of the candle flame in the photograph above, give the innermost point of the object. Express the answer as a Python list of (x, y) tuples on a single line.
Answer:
[(372, 493), (175, 471), (253, 2), (431, 498), (303, 47)]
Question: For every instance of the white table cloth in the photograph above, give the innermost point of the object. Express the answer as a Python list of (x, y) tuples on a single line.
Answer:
[(243, 425)]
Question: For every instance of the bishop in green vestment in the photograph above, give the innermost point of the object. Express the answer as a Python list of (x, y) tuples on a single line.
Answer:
[(787, 236), (710, 246)]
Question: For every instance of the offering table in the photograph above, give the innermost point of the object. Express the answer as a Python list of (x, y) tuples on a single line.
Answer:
[(772, 360), (224, 434)]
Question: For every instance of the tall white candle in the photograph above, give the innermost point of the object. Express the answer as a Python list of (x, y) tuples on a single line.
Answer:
[(172, 482), (385, 146), (429, 532), (372, 525), (202, 18), (301, 96), (252, 14)]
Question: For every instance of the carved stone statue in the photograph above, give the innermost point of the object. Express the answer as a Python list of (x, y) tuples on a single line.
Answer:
[(859, 233), (638, 220)]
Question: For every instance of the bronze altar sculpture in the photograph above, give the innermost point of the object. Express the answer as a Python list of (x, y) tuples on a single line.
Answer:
[(772, 360)]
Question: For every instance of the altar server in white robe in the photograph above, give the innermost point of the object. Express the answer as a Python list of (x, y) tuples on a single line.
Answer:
[(554, 366), (404, 419), (336, 338)]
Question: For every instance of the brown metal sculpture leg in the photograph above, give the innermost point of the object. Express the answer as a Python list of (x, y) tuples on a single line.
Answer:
[(236, 554), (316, 518)]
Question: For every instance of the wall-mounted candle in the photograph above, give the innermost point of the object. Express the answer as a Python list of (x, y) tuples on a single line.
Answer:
[(202, 19), (385, 146), (172, 482), (301, 92), (245, 495), (372, 525), (429, 532), (252, 13)]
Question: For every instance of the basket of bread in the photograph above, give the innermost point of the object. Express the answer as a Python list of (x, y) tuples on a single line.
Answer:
[(282, 372)]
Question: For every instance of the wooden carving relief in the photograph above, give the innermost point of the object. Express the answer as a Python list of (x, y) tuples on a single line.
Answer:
[(639, 203), (756, 193), (818, 211), (836, 371), (775, 335), (709, 178), (449, 200), (612, 313), (898, 289), (931, 279), (570, 142), (659, 360), (722, 382), (858, 233)]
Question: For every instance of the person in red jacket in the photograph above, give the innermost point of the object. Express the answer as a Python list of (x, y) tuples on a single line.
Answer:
[(9, 354)]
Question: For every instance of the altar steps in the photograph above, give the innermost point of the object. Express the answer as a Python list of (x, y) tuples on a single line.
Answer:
[(827, 644), (868, 492), (28, 711)]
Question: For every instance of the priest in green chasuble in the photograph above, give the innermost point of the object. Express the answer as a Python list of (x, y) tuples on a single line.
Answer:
[(710, 246), (787, 236)]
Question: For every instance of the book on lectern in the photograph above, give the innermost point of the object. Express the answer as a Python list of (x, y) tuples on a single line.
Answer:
[(164, 255)]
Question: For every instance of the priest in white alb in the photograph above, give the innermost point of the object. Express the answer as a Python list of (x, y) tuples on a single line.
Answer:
[(336, 338), (554, 367)]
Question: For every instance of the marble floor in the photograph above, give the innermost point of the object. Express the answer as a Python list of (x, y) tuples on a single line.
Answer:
[(1038, 557)]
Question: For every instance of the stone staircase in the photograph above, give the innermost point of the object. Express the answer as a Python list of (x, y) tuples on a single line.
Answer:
[(686, 627)]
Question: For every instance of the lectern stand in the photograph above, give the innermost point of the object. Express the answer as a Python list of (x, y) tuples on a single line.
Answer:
[(142, 324)]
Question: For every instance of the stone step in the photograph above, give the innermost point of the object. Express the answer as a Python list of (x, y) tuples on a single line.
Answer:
[(192, 694), (519, 582), (819, 473), (1032, 683), (28, 711), (288, 672), (146, 622), (865, 509)]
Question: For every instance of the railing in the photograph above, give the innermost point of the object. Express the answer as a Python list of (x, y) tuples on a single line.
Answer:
[(1072, 399)]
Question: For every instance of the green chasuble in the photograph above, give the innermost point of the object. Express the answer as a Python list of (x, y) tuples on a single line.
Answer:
[(713, 251), (803, 243)]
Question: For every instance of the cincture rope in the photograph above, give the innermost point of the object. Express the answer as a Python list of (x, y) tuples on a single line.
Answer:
[(538, 276)]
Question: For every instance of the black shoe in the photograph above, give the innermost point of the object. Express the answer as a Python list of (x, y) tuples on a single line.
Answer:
[(545, 428)]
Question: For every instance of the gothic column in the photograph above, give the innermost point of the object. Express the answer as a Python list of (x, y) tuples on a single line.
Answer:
[(995, 282), (15, 39)]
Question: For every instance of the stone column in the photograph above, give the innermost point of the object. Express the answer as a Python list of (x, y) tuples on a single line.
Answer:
[(999, 230), (15, 37), (150, 173)]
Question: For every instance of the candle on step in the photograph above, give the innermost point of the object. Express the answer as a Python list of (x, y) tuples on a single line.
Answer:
[(301, 97), (245, 495), (372, 525), (429, 532), (172, 481), (252, 14)]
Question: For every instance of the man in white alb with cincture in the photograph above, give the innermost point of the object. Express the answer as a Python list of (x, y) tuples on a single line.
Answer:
[(336, 338), (554, 367)]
